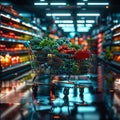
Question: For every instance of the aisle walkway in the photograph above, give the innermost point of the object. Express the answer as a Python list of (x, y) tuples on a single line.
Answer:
[(81, 98)]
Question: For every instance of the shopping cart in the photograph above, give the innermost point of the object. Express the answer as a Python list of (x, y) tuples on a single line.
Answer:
[(66, 67)]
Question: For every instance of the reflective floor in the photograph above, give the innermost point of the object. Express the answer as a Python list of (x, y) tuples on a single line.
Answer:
[(76, 97)]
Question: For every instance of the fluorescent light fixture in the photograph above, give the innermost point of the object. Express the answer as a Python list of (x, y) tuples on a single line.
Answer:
[(98, 3), (63, 21), (40, 3), (80, 3), (90, 21), (80, 30), (88, 14), (58, 14), (42, 0), (68, 30), (80, 21), (83, 29), (88, 25), (65, 25), (80, 25), (57, 3), (85, 0)]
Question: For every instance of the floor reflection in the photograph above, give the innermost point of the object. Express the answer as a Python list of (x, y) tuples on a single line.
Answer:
[(90, 96)]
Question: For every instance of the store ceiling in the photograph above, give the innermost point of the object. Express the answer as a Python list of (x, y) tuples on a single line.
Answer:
[(71, 8)]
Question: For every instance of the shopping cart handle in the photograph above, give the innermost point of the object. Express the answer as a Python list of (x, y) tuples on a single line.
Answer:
[(27, 43)]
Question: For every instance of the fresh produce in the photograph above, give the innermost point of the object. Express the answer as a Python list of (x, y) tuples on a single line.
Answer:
[(75, 46), (108, 54), (117, 58), (82, 54)]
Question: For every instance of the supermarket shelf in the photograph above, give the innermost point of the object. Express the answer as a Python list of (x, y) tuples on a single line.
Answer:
[(104, 44), (116, 42), (18, 20), (115, 63), (12, 40), (23, 75), (13, 52), (116, 53), (114, 66), (116, 34), (114, 69), (14, 74), (15, 66), (17, 30), (115, 27)]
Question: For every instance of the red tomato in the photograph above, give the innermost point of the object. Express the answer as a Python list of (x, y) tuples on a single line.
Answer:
[(82, 54)]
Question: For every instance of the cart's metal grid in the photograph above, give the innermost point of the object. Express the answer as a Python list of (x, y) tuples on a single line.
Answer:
[(46, 63)]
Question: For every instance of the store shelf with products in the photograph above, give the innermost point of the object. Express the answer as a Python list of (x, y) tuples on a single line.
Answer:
[(108, 47), (15, 31), (3, 39), (15, 71), (116, 45), (15, 66)]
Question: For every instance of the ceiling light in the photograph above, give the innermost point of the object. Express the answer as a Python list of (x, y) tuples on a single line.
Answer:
[(90, 21), (80, 21), (83, 28), (85, 0), (80, 25), (63, 21), (84, 25), (88, 14), (40, 3), (98, 3), (58, 14), (65, 25), (88, 25), (68, 29), (80, 3), (57, 3), (42, 0)]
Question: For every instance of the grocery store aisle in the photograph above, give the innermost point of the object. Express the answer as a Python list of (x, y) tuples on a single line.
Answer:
[(84, 97)]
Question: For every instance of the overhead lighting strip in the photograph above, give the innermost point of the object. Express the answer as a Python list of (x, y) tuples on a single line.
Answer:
[(58, 14), (57, 3), (84, 25), (80, 21), (65, 25), (88, 14), (63, 21), (98, 3), (80, 3), (40, 3), (90, 21)]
